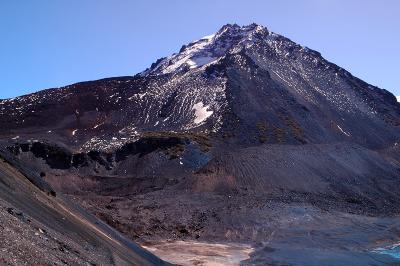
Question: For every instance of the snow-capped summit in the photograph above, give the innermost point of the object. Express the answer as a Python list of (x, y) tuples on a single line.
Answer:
[(209, 49), (243, 83)]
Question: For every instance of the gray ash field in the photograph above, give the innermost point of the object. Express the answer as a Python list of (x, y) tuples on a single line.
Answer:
[(243, 139)]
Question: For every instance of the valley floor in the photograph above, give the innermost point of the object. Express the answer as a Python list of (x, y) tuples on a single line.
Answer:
[(201, 229), (306, 240)]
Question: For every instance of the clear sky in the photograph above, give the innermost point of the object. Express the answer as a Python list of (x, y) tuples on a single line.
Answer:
[(51, 43)]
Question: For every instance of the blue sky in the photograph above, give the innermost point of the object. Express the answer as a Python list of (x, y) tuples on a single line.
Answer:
[(51, 43)]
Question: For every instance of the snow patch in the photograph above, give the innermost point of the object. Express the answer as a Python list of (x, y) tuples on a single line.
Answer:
[(398, 98), (96, 126), (344, 132), (138, 95), (200, 61), (208, 49), (201, 112), (74, 132), (208, 37)]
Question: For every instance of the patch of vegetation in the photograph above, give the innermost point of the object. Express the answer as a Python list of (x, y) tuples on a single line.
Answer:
[(279, 134), (175, 151), (202, 139), (294, 126), (262, 126), (262, 131)]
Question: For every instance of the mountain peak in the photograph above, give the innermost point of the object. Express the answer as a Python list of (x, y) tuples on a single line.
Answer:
[(208, 49), (246, 28)]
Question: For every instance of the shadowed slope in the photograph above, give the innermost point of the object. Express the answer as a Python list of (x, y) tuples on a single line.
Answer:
[(61, 231)]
